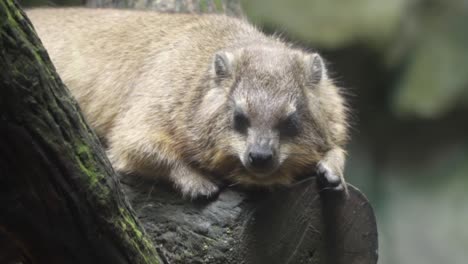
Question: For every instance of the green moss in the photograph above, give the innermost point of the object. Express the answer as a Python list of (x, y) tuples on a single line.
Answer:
[(94, 176), (131, 225), (12, 19), (124, 220), (83, 154), (126, 223), (83, 148), (91, 175)]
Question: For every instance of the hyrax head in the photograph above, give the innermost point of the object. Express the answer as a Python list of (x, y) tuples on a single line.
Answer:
[(271, 123)]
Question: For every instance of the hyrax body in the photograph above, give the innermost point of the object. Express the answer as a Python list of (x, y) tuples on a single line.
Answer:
[(198, 97)]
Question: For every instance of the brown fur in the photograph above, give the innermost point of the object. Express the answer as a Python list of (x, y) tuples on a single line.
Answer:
[(146, 83)]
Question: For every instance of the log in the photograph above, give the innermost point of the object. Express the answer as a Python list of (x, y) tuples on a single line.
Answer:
[(60, 201), (298, 224)]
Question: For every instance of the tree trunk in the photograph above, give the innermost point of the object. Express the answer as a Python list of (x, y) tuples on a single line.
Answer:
[(60, 202), (59, 199)]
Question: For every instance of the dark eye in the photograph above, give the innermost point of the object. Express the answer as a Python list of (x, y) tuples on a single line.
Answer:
[(241, 122), (289, 126)]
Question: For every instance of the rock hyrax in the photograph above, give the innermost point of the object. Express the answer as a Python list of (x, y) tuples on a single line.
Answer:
[(198, 98)]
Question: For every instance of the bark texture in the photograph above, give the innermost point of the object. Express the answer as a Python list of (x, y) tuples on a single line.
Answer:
[(298, 224), (59, 199)]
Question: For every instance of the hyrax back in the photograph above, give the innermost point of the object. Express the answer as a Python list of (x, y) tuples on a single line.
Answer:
[(198, 98)]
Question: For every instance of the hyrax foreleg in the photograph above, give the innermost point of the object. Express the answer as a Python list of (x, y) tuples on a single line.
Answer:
[(330, 170), (149, 161), (191, 183)]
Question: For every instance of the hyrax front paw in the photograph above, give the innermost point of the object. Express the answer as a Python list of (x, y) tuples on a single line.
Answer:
[(193, 185), (199, 188), (329, 179)]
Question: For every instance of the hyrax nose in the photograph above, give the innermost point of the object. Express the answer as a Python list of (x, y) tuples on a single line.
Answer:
[(260, 159)]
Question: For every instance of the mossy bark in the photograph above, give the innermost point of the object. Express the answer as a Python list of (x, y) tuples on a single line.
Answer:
[(59, 199)]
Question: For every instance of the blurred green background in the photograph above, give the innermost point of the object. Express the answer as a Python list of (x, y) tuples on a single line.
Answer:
[(404, 66)]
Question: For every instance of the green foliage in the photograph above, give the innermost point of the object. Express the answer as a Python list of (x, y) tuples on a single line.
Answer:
[(330, 23), (435, 81), (424, 41)]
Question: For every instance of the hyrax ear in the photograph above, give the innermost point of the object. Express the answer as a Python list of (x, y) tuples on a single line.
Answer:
[(315, 68), (223, 64)]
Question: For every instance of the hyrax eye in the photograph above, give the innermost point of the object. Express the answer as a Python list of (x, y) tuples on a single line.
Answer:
[(289, 126), (241, 122)]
